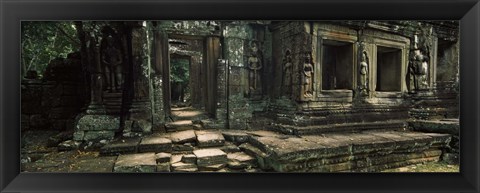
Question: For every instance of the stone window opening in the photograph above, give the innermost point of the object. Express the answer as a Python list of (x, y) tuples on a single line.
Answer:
[(447, 63), (337, 65), (389, 66)]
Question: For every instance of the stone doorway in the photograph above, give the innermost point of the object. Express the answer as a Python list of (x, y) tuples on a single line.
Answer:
[(192, 73), (180, 90)]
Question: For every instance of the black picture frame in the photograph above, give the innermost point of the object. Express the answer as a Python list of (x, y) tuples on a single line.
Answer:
[(12, 12)]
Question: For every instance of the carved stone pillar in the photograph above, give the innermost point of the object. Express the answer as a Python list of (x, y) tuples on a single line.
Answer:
[(139, 109)]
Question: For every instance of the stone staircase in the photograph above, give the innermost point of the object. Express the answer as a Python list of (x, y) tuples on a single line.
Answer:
[(355, 147), (179, 151)]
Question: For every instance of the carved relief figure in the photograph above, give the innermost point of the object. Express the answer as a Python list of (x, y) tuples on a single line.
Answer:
[(112, 59), (364, 74), (419, 66), (307, 76), (287, 73), (254, 65)]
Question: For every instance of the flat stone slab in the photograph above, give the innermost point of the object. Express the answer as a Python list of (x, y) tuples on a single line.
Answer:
[(155, 144), (210, 139), (369, 151), (142, 162), (180, 125), (163, 157), (120, 146), (207, 157), (240, 160), (184, 167), (183, 136)]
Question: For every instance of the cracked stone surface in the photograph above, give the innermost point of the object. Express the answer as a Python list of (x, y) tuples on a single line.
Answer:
[(210, 139), (183, 136), (143, 162)]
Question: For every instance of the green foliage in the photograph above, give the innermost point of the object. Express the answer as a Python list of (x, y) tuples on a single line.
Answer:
[(43, 41), (179, 70)]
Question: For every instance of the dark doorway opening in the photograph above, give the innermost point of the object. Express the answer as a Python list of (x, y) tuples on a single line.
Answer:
[(389, 67), (447, 62), (337, 65), (180, 80)]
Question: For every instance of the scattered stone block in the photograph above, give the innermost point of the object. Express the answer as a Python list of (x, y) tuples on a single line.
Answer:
[(208, 157), (189, 158), (163, 167), (78, 135), (120, 146), (143, 162), (184, 167), (155, 144), (68, 145), (210, 139), (183, 136), (163, 157), (98, 135), (98, 123)]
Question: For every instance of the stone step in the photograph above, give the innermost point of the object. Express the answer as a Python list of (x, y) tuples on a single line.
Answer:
[(364, 151), (143, 162), (450, 126), (180, 125), (210, 159), (347, 127), (209, 139)]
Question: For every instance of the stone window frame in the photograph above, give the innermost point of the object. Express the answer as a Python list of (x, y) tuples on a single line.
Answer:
[(335, 33), (404, 48)]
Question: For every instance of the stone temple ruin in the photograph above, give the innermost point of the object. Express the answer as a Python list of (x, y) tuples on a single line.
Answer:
[(285, 96)]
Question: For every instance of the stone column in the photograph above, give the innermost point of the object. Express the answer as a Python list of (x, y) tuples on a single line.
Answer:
[(157, 81), (238, 83), (139, 109)]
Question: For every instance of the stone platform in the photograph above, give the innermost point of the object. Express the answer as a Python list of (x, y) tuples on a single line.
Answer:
[(368, 151), (262, 150)]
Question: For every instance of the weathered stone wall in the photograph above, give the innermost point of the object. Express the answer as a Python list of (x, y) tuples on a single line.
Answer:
[(349, 105), (244, 96), (54, 101)]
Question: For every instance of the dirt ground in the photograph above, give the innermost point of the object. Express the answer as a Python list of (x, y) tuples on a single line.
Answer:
[(40, 156)]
